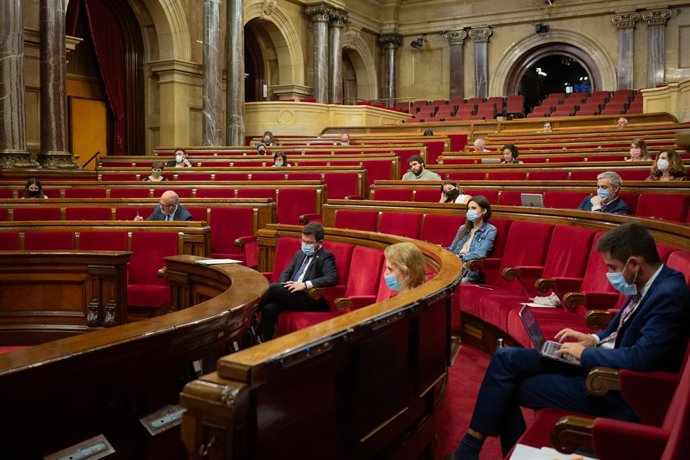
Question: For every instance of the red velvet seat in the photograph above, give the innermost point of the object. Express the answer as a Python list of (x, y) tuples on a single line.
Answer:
[(566, 257), (341, 185), (225, 192), (271, 176), (462, 176), (401, 224), (238, 176), (585, 174), (119, 177), (4, 214), (195, 176), (631, 199), (667, 206), (426, 195), (547, 175), (9, 241), (294, 202), (440, 228), (227, 225), (680, 260), (148, 294), (505, 175), (199, 214), (36, 213), (563, 200), (83, 192), (130, 212), (88, 213), (489, 194), (510, 197), (526, 245), (356, 220), (244, 192), (97, 240), (48, 240), (633, 174), (182, 192), (392, 194), (285, 252), (6, 193), (139, 192)]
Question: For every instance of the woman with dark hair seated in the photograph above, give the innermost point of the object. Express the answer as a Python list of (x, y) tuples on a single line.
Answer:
[(156, 172), (451, 193), (668, 167), (510, 154), (475, 238), (280, 160), (33, 189)]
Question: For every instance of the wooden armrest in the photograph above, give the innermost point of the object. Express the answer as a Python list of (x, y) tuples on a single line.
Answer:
[(354, 197), (601, 380), (244, 240), (474, 265), (572, 300), (342, 304), (597, 319), (478, 264), (315, 293), (163, 272), (573, 434), (306, 218), (544, 284), (510, 273)]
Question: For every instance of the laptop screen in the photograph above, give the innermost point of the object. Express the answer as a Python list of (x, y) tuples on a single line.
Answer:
[(533, 329), (532, 200)]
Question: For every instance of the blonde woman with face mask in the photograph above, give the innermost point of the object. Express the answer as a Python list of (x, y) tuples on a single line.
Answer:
[(404, 267)]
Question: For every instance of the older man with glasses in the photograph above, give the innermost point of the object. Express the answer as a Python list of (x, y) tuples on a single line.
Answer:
[(609, 184), (168, 209)]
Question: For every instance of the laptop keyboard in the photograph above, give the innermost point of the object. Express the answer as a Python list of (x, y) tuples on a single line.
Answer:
[(550, 348)]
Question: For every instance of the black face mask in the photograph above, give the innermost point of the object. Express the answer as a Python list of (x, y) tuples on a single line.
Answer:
[(30, 194), (452, 195)]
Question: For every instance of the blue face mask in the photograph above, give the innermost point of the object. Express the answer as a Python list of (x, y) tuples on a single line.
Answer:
[(308, 249), (603, 193), (618, 282), (392, 281), (279, 163), (472, 215)]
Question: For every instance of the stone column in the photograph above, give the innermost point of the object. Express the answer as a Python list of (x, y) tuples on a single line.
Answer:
[(235, 73), (456, 39), (390, 43), (212, 112), (626, 46), (13, 153), (54, 143), (320, 15), (656, 27), (480, 37), (335, 84)]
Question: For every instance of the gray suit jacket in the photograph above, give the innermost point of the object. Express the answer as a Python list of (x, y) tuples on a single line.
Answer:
[(180, 214)]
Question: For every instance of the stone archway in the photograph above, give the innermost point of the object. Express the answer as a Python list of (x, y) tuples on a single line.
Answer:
[(584, 49), (363, 63)]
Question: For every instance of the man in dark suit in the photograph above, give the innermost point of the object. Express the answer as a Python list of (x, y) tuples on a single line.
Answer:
[(312, 267), (168, 209), (649, 333), (609, 184)]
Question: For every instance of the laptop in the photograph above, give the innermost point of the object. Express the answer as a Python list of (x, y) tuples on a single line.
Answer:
[(546, 348), (532, 200)]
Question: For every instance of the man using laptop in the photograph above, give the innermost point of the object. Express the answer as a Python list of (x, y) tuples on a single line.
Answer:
[(649, 333)]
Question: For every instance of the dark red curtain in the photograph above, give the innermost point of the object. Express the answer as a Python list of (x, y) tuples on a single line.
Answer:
[(108, 44)]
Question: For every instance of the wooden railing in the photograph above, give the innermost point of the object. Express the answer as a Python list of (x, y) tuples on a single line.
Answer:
[(63, 392)]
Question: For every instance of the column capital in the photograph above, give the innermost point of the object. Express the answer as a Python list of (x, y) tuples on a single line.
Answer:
[(390, 40), (339, 18), (320, 12), (455, 37), (656, 17), (481, 34), (625, 20)]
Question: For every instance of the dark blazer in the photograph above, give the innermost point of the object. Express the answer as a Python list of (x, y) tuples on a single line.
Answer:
[(321, 271), (654, 338), (180, 214), (617, 206)]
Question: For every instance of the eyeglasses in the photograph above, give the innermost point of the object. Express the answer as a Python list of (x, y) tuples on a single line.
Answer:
[(163, 205)]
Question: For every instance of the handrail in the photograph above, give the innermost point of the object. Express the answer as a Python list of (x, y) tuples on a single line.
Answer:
[(95, 155)]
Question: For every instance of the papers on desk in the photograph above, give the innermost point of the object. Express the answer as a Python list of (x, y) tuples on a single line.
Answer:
[(523, 452), (536, 305), (218, 261)]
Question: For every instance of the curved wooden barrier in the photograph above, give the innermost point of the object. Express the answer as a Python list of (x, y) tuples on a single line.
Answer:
[(63, 392), (363, 385)]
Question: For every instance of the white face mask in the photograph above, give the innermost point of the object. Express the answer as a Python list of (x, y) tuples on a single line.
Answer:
[(179, 158), (662, 164)]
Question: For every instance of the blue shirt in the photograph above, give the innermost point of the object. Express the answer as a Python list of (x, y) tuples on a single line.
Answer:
[(480, 246)]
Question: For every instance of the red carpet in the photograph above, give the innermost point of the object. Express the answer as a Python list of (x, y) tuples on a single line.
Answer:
[(456, 408)]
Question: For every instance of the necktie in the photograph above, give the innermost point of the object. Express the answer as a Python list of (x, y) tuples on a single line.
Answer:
[(299, 274), (627, 311), (168, 217)]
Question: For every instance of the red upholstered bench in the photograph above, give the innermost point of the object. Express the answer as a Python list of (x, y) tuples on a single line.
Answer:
[(356, 220), (37, 213), (401, 224)]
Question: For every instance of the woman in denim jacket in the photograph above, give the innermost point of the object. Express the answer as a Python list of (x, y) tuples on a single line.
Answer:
[(475, 238)]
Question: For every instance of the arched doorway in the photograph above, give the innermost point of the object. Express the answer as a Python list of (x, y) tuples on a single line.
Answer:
[(554, 68), (255, 79), (349, 80), (111, 60)]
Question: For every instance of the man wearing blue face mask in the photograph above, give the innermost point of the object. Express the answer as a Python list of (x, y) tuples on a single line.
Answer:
[(609, 184), (312, 267), (648, 334)]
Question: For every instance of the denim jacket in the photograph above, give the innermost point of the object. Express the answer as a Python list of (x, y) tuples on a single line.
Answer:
[(481, 245)]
